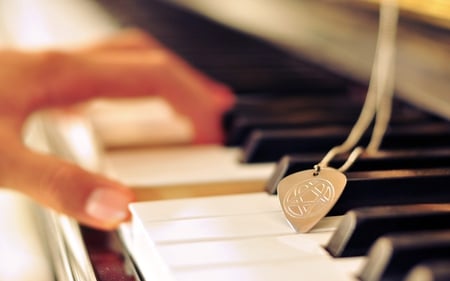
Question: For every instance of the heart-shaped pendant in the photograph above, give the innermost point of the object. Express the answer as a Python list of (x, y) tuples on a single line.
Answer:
[(307, 196)]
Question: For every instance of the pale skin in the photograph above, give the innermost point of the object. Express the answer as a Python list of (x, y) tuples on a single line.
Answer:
[(129, 64)]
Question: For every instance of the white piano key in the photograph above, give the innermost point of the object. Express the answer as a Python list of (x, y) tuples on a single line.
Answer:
[(214, 228), (23, 253), (180, 220), (237, 251), (350, 266), (183, 165), (317, 269), (205, 206), (182, 234), (161, 259), (138, 122)]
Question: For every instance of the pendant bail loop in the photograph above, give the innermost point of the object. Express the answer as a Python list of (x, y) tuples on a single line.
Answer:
[(316, 170)]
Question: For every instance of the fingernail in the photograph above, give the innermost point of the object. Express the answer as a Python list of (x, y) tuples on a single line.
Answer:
[(107, 205)]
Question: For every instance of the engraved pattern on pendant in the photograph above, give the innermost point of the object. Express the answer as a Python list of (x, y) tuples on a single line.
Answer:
[(308, 198)]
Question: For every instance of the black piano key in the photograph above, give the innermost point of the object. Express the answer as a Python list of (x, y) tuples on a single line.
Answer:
[(268, 110), (432, 270), (243, 126), (271, 145), (108, 255), (280, 103), (393, 187), (392, 256), (381, 160), (360, 227), (302, 112)]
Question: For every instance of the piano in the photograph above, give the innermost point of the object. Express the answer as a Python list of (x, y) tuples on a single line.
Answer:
[(221, 219)]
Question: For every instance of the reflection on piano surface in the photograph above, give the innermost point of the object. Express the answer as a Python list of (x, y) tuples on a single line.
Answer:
[(289, 113)]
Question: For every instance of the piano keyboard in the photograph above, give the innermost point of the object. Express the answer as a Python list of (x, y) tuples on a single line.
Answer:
[(234, 237), (246, 237), (289, 113)]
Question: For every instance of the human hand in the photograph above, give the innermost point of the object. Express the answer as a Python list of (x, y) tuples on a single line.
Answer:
[(130, 64)]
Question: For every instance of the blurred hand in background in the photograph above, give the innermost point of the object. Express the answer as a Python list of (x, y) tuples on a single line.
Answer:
[(129, 64)]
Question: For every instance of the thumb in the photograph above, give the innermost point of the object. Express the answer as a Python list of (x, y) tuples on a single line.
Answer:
[(89, 198)]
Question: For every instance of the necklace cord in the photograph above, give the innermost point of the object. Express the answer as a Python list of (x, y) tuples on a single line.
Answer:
[(378, 102)]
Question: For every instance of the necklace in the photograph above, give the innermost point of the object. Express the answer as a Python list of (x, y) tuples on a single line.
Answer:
[(307, 196)]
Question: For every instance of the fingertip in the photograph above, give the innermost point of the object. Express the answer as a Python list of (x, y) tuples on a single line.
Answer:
[(90, 198), (224, 97), (227, 100), (208, 125), (107, 207)]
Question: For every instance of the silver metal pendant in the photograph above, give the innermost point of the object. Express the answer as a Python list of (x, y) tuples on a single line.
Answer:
[(307, 196)]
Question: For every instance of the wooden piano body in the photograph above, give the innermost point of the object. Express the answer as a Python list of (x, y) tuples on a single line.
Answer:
[(197, 236)]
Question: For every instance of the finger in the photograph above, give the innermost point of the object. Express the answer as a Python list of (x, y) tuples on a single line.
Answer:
[(132, 39), (160, 73), (91, 199)]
